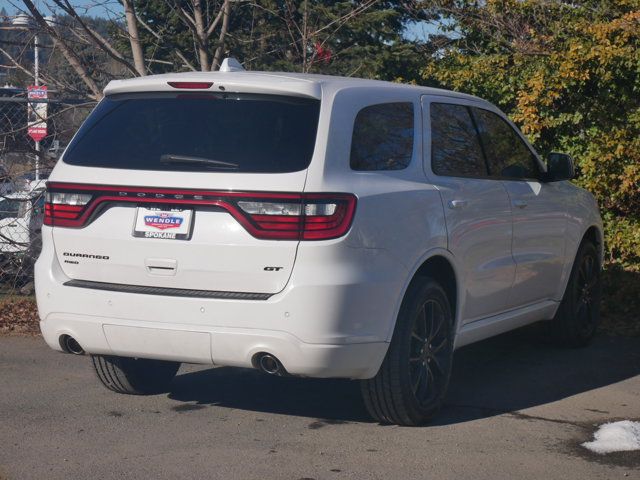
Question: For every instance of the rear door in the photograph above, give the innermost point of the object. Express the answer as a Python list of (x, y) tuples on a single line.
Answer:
[(477, 209), (184, 190), (539, 212)]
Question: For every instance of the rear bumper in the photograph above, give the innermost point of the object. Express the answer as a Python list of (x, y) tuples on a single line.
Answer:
[(340, 328), (217, 346)]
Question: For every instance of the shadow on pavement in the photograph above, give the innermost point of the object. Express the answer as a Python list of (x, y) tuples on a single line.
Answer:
[(503, 374), (514, 371), (332, 400)]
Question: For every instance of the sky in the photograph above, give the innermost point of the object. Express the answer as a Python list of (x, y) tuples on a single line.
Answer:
[(94, 8)]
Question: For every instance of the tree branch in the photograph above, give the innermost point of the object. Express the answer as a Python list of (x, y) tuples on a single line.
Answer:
[(98, 39), (73, 58)]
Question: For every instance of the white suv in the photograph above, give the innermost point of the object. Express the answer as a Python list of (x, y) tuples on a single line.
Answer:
[(308, 225)]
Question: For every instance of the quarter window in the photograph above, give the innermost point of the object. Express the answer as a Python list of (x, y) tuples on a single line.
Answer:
[(383, 137), (455, 147), (507, 154)]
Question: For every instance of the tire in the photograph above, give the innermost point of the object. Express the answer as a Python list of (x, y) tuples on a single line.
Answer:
[(578, 315), (411, 384), (134, 376)]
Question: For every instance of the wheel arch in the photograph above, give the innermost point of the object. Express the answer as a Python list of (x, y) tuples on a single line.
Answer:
[(594, 234), (439, 265)]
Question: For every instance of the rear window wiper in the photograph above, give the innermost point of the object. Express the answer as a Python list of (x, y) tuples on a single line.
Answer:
[(170, 158)]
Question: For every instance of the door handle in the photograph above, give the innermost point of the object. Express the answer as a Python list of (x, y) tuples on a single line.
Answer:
[(520, 203), (457, 203)]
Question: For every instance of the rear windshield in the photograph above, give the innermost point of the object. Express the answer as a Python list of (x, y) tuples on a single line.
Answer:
[(198, 132)]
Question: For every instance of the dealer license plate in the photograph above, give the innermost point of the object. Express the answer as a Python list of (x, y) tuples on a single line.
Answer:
[(172, 224)]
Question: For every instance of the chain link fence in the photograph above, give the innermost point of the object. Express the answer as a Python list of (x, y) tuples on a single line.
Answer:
[(23, 174)]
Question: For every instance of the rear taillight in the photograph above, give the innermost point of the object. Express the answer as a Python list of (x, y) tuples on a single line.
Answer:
[(314, 217), (274, 216), (64, 208)]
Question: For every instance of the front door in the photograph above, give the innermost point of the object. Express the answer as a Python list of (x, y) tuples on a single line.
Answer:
[(539, 212)]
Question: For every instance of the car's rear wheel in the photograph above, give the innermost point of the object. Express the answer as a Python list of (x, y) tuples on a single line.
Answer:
[(413, 379), (134, 376), (578, 316)]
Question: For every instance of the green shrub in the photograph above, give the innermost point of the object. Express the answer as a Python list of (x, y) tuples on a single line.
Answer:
[(622, 242)]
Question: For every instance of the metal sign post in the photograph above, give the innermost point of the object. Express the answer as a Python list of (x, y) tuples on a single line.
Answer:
[(37, 119)]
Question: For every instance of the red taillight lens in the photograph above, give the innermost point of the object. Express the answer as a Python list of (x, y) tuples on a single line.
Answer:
[(64, 208), (315, 216), (272, 216), (191, 85)]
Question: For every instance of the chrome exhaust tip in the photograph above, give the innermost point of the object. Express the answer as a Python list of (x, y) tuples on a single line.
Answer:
[(71, 345), (270, 365)]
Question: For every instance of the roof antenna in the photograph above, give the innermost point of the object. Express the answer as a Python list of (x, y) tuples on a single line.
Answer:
[(231, 65)]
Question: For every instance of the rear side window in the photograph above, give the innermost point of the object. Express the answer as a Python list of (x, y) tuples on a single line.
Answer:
[(455, 146), (508, 156), (198, 132), (383, 137)]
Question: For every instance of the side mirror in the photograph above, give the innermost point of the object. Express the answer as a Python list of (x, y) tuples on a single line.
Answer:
[(560, 167)]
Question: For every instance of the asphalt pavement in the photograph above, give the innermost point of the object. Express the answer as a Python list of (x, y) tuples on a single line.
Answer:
[(517, 409)]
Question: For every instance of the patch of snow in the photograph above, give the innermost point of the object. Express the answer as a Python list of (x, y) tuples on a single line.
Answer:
[(615, 437)]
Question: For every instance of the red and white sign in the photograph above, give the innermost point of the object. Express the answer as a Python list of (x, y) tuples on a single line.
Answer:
[(37, 114), (37, 92)]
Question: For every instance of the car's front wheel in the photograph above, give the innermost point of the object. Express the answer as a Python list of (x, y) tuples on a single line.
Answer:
[(134, 376), (578, 316), (413, 379)]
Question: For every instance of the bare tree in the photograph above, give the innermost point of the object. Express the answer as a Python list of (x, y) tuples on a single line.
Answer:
[(74, 60), (226, 12), (134, 38), (207, 20), (309, 35), (521, 34), (100, 42), (202, 24)]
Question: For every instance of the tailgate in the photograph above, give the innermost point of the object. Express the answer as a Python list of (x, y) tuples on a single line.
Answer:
[(188, 190), (218, 253)]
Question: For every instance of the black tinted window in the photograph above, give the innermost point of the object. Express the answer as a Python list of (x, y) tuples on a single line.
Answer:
[(507, 154), (10, 208), (455, 147), (383, 137), (180, 132)]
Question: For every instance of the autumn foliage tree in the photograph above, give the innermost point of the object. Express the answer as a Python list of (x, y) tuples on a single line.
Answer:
[(568, 75)]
